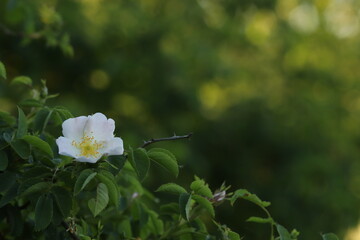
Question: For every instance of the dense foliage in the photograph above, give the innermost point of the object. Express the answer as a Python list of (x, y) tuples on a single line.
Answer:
[(269, 87), (49, 196)]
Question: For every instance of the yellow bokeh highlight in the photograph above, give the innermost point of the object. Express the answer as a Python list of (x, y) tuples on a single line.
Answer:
[(342, 19), (260, 26), (283, 7), (353, 233), (99, 79), (310, 55), (128, 105)]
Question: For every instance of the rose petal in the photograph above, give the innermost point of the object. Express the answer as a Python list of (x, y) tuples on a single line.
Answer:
[(114, 147), (66, 148), (73, 128), (101, 128), (87, 159)]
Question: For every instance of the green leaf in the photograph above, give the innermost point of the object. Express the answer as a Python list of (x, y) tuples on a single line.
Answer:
[(233, 235), (283, 232), (101, 201), (330, 236), (7, 118), (183, 231), (43, 212), (167, 152), (140, 162), (84, 178), (31, 103), (27, 183), (185, 205), (171, 188), (205, 204), (23, 80), (63, 113), (3, 161), (112, 187), (58, 217), (7, 179), (155, 224), (260, 220), (116, 163), (21, 147), (9, 195), (39, 172), (40, 187), (2, 70), (245, 194), (40, 145), (40, 119), (22, 124), (165, 160), (15, 220), (63, 200), (200, 187)]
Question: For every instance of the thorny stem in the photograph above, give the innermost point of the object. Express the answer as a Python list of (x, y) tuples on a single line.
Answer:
[(72, 234), (155, 140)]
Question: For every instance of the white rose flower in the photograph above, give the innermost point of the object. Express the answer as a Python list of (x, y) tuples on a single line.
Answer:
[(87, 139)]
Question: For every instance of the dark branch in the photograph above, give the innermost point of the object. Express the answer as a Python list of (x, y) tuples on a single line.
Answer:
[(72, 234), (7, 31), (173, 138)]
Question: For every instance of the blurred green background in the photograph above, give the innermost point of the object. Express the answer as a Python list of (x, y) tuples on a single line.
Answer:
[(270, 89)]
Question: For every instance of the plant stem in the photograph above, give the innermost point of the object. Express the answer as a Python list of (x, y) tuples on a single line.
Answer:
[(72, 234), (153, 140), (271, 224)]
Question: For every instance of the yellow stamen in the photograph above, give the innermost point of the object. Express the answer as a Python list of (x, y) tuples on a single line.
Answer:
[(88, 147)]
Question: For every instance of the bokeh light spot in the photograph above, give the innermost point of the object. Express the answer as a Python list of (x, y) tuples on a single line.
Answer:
[(99, 79)]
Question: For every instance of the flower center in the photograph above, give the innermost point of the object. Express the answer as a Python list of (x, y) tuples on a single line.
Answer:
[(88, 147)]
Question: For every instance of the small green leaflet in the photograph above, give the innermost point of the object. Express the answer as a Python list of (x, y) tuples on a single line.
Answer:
[(260, 220), (206, 204), (84, 178), (63, 200), (245, 194), (21, 147), (3, 161), (7, 179), (23, 80), (31, 103), (96, 205), (283, 232), (22, 124), (154, 223), (7, 118), (172, 188), (200, 187), (2, 70), (9, 195), (329, 236), (43, 212), (140, 162), (185, 205), (40, 145), (36, 188), (112, 187), (165, 160), (233, 235)]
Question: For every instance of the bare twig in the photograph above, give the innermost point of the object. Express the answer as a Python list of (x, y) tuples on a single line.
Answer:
[(69, 230), (153, 140), (9, 32)]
